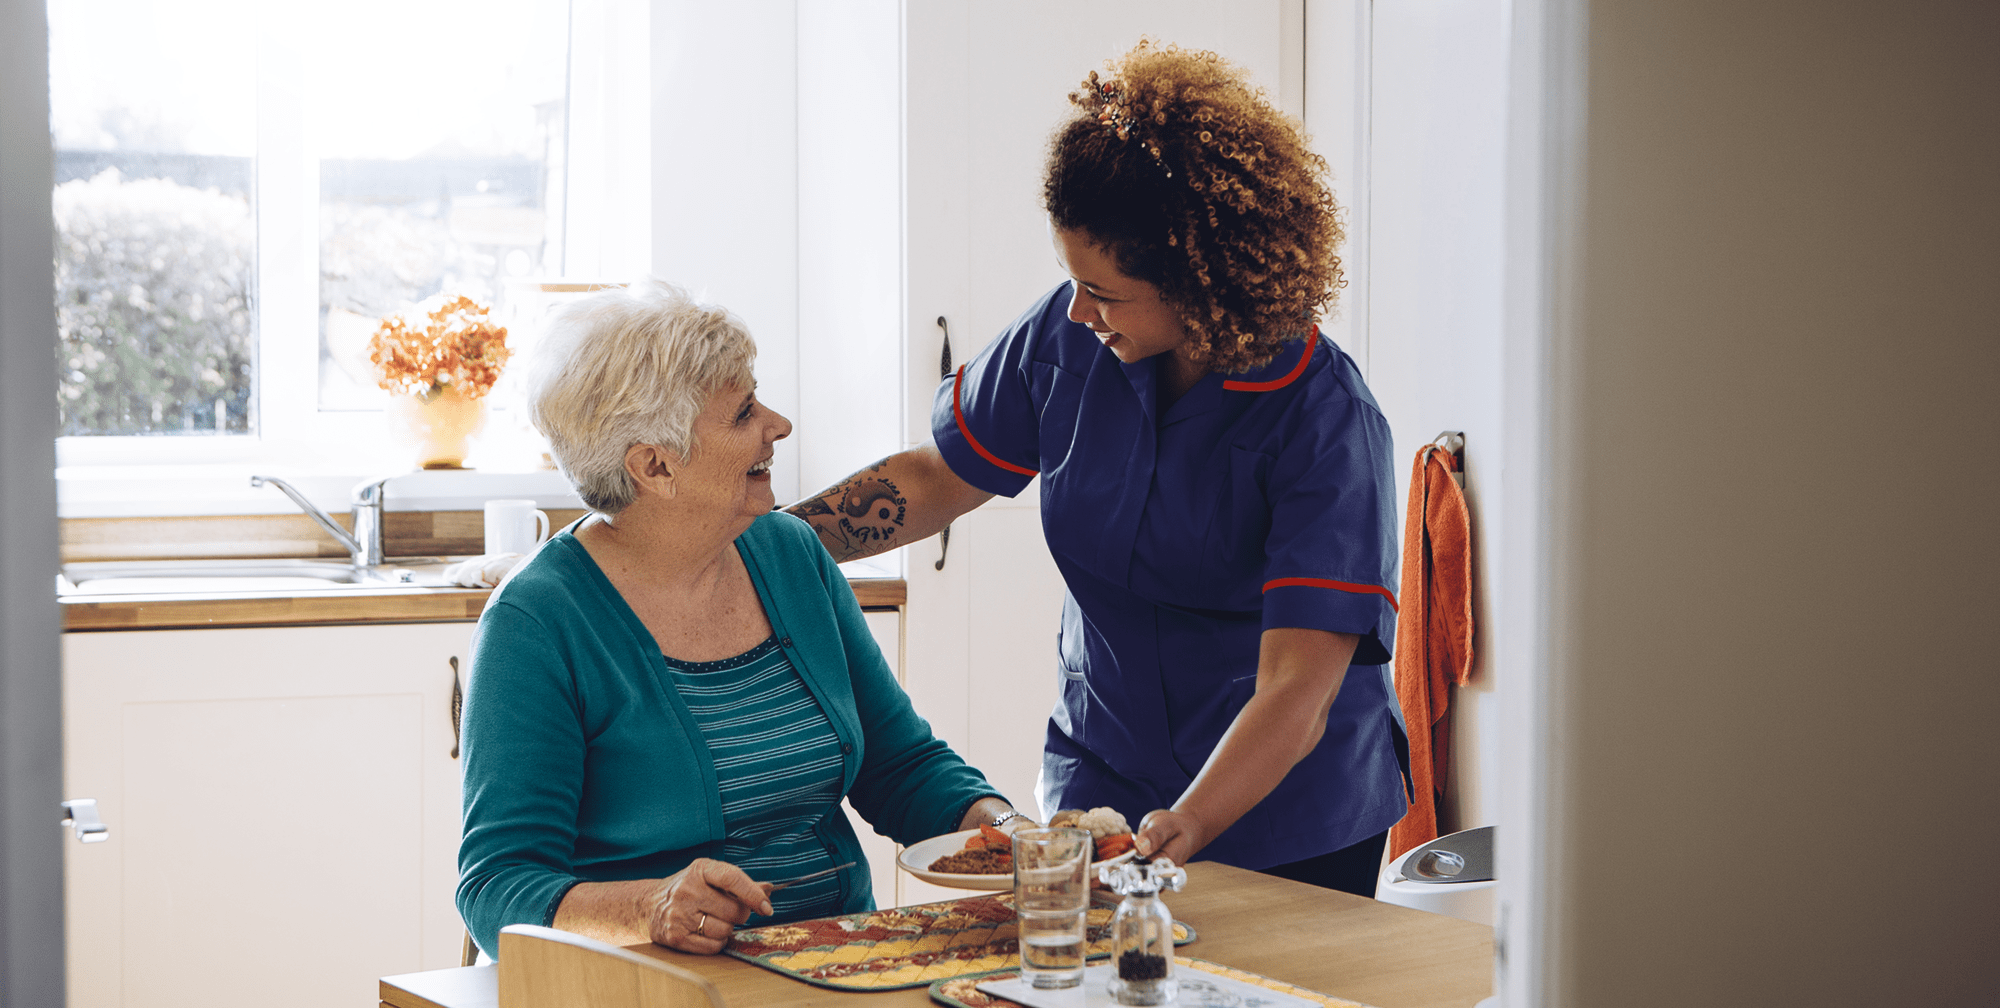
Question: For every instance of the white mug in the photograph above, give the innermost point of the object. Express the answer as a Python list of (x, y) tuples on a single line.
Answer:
[(514, 526)]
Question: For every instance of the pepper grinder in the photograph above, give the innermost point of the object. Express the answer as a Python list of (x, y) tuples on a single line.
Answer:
[(1142, 932)]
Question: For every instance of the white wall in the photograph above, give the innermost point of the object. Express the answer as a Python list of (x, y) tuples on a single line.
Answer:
[(850, 237), (1425, 294), (725, 178), (776, 190), (608, 164)]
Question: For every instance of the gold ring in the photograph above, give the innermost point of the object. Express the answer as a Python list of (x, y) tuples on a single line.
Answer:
[(702, 923)]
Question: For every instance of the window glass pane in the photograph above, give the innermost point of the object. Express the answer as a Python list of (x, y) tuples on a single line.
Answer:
[(153, 115), (439, 125)]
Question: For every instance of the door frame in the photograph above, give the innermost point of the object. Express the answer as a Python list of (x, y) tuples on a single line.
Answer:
[(31, 909)]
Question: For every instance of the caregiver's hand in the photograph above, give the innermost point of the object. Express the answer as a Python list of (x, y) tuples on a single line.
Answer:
[(1175, 835), (1299, 673), (697, 908)]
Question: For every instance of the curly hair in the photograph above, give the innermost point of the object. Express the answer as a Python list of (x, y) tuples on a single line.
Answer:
[(1183, 170)]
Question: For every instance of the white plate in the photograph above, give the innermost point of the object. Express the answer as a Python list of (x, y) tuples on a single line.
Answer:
[(916, 859)]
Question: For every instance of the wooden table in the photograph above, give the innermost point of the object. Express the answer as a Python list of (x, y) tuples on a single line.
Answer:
[(1383, 955)]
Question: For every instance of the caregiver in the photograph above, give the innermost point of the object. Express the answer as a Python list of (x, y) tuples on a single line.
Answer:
[(1214, 476)]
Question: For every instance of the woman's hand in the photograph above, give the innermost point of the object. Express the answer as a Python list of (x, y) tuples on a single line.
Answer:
[(987, 809), (1166, 833), (1299, 673), (698, 908)]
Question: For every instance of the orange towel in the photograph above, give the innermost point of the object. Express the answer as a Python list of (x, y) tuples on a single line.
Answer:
[(1433, 633)]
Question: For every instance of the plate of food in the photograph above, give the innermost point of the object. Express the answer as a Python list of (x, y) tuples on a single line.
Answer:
[(983, 858)]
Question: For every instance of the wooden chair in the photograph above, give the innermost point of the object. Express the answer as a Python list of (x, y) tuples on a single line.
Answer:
[(545, 968)]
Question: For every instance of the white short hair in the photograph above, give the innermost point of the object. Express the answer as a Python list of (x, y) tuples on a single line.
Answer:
[(631, 366)]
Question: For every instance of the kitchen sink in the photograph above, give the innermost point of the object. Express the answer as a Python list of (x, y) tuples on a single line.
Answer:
[(151, 577)]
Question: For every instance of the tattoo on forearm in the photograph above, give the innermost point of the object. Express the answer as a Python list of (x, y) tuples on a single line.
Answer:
[(857, 516)]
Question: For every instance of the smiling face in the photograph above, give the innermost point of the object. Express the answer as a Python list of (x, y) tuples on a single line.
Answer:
[(1127, 314), (730, 466)]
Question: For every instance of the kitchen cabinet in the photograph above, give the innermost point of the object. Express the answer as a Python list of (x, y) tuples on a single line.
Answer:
[(283, 806), (284, 811)]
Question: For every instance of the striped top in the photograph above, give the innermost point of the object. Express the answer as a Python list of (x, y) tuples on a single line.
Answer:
[(779, 766)]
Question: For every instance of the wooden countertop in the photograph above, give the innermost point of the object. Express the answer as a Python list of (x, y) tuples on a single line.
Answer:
[(328, 607), (1333, 942)]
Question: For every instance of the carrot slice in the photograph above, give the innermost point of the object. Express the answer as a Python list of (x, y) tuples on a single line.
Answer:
[(1112, 846), (995, 838)]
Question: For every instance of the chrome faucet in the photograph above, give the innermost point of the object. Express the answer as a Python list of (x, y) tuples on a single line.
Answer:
[(364, 545)]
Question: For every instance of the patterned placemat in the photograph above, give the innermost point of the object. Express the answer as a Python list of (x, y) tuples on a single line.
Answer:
[(963, 992), (911, 946)]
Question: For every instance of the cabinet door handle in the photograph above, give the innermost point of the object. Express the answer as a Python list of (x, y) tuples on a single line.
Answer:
[(83, 819), (457, 704), (944, 371)]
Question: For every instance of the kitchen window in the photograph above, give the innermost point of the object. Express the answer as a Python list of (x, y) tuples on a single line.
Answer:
[(243, 189)]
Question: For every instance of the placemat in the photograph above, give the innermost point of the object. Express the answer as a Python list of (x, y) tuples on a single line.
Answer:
[(912, 946), (962, 992)]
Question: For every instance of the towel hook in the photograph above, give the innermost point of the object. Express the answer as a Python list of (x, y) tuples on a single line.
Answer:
[(1453, 442)]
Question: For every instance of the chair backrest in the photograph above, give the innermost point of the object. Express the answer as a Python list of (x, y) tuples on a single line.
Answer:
[(545, 968)]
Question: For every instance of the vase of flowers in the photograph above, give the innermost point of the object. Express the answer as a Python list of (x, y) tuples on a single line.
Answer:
[(440, 359)]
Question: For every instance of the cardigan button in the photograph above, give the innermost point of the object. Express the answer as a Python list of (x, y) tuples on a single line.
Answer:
[(846, 750), (786, 643)]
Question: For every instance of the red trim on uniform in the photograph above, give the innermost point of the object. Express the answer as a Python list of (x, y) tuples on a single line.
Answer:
[(1358, 589), (1271, 386), (959, 415)]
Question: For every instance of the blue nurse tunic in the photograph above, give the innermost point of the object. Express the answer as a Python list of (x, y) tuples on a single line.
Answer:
[(1255, 501)]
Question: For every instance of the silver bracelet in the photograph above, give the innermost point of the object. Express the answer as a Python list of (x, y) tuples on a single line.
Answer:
[(998, 820)]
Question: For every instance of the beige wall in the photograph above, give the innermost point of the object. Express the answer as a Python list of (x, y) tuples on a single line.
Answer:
[(1773, 460)]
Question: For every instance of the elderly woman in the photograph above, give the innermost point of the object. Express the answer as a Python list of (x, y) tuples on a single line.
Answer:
[(671, 697)]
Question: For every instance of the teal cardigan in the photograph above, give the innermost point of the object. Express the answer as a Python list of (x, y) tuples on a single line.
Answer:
[(582, 764)]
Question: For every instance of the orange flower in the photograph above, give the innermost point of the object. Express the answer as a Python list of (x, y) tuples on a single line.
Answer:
[(454, 346)]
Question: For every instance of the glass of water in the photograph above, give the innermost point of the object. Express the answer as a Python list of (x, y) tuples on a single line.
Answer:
[(1050, 897)]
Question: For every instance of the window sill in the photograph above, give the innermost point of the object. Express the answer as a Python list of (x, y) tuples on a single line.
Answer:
[(159, 491)]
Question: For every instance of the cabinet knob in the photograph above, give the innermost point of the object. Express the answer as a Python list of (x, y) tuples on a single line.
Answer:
[(83, 819)]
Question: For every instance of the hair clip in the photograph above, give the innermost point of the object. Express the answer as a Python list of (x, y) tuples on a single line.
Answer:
[(1113, 115)]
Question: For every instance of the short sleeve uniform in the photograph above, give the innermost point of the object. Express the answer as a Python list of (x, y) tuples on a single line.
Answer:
[(1256, 501)]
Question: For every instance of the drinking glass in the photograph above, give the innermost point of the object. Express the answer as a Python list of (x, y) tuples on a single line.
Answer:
[(1050, 898)]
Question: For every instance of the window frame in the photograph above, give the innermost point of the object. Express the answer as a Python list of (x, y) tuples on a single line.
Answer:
[(601, 207)]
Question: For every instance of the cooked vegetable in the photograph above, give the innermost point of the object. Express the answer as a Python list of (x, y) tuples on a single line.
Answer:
[(1103, 822)]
